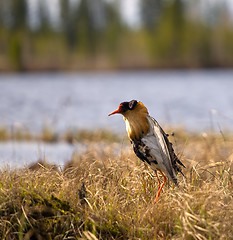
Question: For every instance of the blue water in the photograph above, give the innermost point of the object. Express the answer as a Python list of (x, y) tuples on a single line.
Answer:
[(196, 100)]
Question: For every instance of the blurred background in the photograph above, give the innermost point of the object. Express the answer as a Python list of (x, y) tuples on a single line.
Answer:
[(115, 34), (66, 64)]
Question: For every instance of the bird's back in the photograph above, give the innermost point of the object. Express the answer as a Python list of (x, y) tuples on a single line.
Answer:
[(155, 149)]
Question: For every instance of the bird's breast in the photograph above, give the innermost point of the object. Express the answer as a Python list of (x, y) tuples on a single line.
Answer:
[(136, 127)]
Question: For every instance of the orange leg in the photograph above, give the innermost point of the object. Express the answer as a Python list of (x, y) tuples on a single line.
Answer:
[(160, 188)]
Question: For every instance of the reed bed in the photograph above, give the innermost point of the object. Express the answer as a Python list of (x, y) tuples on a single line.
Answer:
[(109, 194)]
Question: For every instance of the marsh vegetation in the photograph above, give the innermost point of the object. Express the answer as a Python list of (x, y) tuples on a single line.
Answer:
[(101, 194)]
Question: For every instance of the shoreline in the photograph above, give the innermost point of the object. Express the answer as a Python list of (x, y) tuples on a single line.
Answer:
[(114, 69), (110, 70)]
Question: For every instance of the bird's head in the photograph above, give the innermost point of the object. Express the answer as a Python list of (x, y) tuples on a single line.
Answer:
[(124, 107), (129, 108), (134, 113)]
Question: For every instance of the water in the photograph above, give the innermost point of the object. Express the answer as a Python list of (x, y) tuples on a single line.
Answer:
[(196, 100), (22, 154), (190, 98)]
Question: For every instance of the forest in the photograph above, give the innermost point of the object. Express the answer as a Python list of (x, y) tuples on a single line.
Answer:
[(94, 35)]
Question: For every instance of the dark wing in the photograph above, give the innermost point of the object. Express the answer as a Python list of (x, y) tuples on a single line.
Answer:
[(174, 159), (152, 149)]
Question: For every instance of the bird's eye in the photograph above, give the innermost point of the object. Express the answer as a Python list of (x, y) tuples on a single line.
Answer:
[(132, 104)]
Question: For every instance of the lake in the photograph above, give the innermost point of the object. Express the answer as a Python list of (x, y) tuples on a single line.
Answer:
[(196, 100)]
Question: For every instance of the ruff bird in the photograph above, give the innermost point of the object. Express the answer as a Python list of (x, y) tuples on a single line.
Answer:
[(150, 142)]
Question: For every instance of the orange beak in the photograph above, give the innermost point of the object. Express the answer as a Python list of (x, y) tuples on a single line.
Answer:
[(116, 111)]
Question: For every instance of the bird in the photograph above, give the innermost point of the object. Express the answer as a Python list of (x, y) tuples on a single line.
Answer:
[(150, 142)]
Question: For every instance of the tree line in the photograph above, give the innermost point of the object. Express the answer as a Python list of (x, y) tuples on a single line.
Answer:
[(92, 34)]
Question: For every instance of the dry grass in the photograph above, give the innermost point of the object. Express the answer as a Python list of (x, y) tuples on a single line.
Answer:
[(48, 134), (104, 195)]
